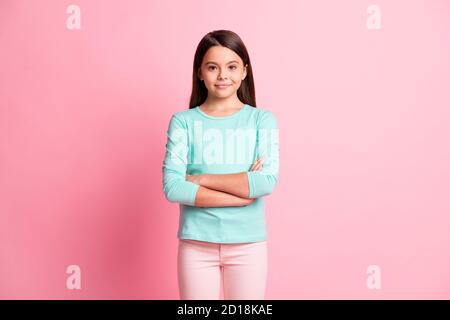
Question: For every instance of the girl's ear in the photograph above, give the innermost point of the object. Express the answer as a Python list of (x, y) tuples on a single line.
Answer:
[(245, 72), (199, 74)]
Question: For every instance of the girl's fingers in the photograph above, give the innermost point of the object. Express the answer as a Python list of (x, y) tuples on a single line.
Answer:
[(257, 164), (260, 164), (254, 165)]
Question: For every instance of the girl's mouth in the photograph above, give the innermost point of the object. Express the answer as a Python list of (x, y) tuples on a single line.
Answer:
[(222, 86)]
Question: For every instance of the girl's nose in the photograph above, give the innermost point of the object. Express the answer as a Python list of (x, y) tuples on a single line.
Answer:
[(222, 76)]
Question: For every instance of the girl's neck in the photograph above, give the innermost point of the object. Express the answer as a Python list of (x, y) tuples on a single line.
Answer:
[(221, 106)]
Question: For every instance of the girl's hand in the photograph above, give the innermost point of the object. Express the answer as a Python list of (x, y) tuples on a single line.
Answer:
[(257, 165), (248, 201), (193, 178)]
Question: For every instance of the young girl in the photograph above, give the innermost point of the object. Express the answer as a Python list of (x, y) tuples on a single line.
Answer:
[(222, 158)]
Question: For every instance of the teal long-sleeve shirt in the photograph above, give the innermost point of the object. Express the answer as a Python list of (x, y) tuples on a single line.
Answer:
[(200, 143)]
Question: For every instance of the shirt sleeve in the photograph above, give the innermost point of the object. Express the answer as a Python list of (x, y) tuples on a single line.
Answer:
[(262, 182), (175, 186)]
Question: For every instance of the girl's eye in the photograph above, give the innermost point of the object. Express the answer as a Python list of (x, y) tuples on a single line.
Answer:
[(210, 67)]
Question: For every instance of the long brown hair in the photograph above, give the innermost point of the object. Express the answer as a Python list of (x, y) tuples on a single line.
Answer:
[(229, 39)]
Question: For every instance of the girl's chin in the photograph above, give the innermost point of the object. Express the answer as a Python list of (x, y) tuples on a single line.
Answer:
[(223, 94), (225, 90)]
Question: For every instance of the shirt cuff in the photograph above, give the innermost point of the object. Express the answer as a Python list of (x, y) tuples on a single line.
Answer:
[(193, 194), (251, 184)]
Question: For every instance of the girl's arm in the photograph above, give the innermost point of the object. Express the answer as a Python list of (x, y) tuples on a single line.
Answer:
[(254, 183), (175, 186), (233, 183), (206, 197)]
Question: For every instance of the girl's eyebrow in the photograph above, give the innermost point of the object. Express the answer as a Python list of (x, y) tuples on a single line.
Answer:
[(216, 63)]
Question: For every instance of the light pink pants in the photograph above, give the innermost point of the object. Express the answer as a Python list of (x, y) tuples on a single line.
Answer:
[(205, 267)]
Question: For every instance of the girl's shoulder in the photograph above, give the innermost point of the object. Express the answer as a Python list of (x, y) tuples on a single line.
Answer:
[(183, 114), (263, 114)]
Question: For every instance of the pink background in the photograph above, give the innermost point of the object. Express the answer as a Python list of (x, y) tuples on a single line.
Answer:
[(364, 123)]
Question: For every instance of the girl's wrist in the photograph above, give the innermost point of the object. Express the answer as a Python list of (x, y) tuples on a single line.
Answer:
[(200, 178), (197, 179)]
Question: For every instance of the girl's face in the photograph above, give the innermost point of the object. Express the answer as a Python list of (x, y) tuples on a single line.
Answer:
[(222, 71)]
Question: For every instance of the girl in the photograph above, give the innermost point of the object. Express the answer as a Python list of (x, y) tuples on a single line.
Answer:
[(222, 157)]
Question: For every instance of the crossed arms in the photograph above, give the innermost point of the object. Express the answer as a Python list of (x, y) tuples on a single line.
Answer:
[(223, 190), (217, 190)]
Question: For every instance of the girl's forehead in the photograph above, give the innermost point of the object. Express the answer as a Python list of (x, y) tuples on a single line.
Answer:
[(220, 54)]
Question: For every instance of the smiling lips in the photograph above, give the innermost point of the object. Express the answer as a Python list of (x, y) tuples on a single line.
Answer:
[(222, 86)]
